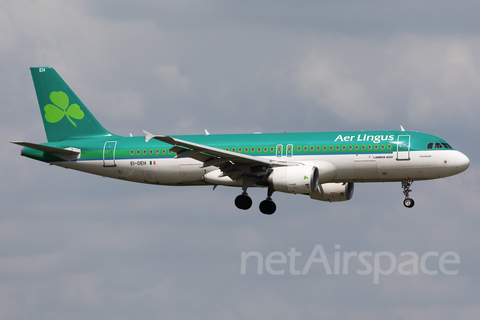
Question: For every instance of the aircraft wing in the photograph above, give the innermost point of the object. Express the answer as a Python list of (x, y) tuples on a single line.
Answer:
[(211, 156)]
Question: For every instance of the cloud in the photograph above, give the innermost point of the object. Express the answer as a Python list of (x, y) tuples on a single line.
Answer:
[(81, 246), (171, 80), (327, 80), (424, 80)]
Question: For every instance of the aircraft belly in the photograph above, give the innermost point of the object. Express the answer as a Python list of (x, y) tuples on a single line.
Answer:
[(391, 169), (365, 170), (422, 165), (180, 172), (168, 174), (191, 173)]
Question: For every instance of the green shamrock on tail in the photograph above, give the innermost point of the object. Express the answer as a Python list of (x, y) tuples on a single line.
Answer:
[(60, 108)]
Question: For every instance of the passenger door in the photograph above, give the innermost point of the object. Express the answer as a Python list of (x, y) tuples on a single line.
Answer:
[(403, 147), (109, 153)]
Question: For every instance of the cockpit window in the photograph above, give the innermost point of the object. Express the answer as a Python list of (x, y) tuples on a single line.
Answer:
[(430, 145), (446, 145), (438, 145)]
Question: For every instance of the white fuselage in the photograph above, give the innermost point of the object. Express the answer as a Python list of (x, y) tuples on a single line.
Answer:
[(421, 165)]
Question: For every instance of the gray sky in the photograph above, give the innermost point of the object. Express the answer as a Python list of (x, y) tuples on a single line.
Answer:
[(77, 246)]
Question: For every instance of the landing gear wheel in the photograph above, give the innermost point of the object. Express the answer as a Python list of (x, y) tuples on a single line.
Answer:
[(243, 202), (408, 202), (267, 207)]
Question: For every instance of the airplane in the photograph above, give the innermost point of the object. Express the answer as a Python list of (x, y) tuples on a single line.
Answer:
[(322, 165)]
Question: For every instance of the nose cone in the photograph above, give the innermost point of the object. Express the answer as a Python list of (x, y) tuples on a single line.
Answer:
[(462, 162)]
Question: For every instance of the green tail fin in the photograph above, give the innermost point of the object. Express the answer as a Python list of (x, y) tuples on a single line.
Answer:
[(64, 114)]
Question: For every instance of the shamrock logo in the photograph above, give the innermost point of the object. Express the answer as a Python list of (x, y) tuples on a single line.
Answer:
[(61, 107)]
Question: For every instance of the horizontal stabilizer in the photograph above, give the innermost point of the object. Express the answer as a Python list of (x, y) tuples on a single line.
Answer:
[(67, 154)]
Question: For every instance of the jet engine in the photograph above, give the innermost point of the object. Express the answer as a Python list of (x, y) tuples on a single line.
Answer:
[(333, 192), (294, 179)]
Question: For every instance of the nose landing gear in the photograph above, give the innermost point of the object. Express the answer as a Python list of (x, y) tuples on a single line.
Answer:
[(408, 202)]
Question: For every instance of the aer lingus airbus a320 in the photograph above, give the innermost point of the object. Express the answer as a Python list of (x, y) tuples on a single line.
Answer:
[(322, 165)]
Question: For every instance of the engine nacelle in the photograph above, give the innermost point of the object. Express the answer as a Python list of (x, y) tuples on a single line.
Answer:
[(294, 179), (333, 192)]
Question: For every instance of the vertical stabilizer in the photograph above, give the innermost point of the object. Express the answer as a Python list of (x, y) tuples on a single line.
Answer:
[(64, 114)]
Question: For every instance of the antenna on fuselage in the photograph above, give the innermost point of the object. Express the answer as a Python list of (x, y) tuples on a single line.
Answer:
[(401, 128)]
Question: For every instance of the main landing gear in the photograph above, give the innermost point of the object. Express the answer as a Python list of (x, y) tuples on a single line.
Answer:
[(408, 202), (267, 206), (243, 201)]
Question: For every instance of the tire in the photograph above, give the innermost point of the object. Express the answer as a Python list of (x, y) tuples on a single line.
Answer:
[(243, 202), (267, 207), (408, 202)]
